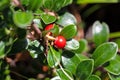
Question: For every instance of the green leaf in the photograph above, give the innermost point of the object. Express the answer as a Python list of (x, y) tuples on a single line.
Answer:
[(55, 5), (114, 77), (22, 19), (64, 74), (47, 19), (34, 4), (100, 32), (53, 57), (69, 31), (72, 45), (117, 41), (82, 46), (66, 19), (55, 78), (2, 47), (4, 4), (38, 23), (48, 4), (25, 2), (84, 69), (58, 4), (67, 2), (114, 66), (104, 53), (55, 30), (70, 60), (35, 48), (93, 77)]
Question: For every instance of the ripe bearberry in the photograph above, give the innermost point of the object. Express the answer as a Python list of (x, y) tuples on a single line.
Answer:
[(60, 42), (49, 26)]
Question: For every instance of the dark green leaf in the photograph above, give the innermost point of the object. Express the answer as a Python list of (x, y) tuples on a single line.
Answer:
[(34, 4), (84, 69), (22, 19), (82, 46), (2, 47), (66, 19), (72, 45), (35, 48), (70, 60), (53, 57), (100, 33), (93, 77), (113, 66), (19, 45), (64, 74), (3, 33), (69, 31), (47, 19), (104, 53), (21, 33)]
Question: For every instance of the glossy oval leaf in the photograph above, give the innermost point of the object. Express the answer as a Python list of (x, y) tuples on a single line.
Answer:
[(114, 66), (2, 47), (53, 57), (82, 46), (93, 77), (38, 23), (100, 32), (69, 31), (104, 53), (34, 4), (64, 74), (47, 19), (72, 45), (70, 60), (66, 19), (84, 69), (22, 19)]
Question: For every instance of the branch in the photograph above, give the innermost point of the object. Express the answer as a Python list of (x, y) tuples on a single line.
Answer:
[(17, 3), (75, 12), (37, 30)]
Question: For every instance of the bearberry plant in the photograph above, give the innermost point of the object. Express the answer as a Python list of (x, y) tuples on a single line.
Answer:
[(41, 34)]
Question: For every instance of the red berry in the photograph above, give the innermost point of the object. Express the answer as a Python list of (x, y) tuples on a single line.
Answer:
[(60, 42), (49, 26)]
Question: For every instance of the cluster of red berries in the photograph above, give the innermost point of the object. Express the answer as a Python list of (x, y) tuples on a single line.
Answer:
[(59, 41)]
